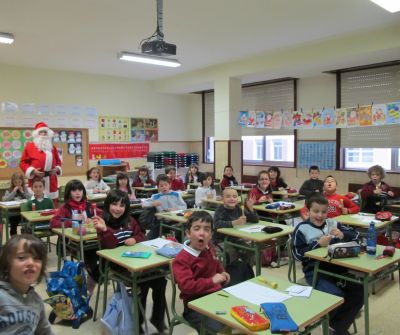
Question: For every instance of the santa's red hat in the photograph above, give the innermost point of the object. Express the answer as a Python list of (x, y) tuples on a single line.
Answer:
[(42, 126)]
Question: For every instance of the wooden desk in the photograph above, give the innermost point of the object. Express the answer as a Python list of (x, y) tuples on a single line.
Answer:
[(6, 207), (194, 185), (75, 240), (146, 191), (307, 313), (368, 266), (96, 197), (137, 267), (256, 240)]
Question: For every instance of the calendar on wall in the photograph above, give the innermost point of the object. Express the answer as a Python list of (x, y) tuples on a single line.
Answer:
[(322, 154)]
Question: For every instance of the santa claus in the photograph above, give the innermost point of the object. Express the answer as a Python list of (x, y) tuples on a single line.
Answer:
[(40, 159)]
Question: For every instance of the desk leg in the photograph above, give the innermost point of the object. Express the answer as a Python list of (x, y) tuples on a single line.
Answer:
[(325, 324), (224, 251), (106, 269), (7, 224), (59, 242), (203, 326), (366, 304), (257, 248), (314, 280), (135, 303)]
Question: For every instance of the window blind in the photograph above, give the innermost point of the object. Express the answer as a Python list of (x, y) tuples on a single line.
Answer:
[(363, 87), (264, 97)]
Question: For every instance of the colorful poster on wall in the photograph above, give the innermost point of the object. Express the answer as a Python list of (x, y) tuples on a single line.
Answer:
[(268, 120), (144, 130), (119, 150), (114, 129), (306, 118), (277, 120), (260, 119), (317, 118), (341, 118), (12, 144), (352, 117)]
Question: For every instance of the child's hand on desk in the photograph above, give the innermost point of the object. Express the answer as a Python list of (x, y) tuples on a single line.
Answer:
[(337, 233), (156, 203), (99, 223), (130, 241), (324, 240), (241, 220), (227, 277), (219, 278)]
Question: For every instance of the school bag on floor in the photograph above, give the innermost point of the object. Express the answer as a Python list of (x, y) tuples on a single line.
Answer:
[(67, 290), (118, 316)]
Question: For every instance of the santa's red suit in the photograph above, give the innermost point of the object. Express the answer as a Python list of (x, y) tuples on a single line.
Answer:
[(33, 158)]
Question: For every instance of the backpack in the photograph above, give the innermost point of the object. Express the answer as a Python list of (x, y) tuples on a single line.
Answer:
[(147, 218), (268, 255), (118, 316), (239, 271)]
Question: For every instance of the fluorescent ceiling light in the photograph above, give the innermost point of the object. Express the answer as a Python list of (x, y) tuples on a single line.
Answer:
[(148, 59), (6, 38), (392, 6)]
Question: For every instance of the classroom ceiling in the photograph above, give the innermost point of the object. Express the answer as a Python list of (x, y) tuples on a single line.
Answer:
[(86, 35)]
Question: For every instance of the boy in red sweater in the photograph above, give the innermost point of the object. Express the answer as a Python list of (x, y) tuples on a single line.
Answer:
[(337, 204), (197, 270)]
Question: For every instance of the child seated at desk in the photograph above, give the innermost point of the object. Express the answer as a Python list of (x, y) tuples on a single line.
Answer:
[(142, 178), (39, 201), (231, 214), (318, 231), (337, 204), (193, 175), (94, 183), (17, 191), (312, 185), (164, 201), (196, 269), (206, 190), (228, 178), (263, 191), (375, 193), (76, 206), (122, 183), (277, 183), (116, 228), (177, 184)]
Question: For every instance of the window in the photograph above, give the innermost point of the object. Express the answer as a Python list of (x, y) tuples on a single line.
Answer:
[(362, 147), (269, 150), (267, 96)]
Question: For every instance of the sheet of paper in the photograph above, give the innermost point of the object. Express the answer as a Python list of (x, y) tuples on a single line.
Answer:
[(11, 203), (255, 293), (299, 291), (257, 228), (156, 243)]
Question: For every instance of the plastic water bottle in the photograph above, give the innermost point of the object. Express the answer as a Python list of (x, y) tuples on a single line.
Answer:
[(75, 222), (371, 241)]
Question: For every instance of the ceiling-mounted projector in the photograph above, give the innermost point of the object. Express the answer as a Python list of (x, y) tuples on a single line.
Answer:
[(158, 47)]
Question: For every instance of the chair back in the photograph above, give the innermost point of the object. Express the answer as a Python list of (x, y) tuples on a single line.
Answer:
[(361, 203), (61, 191), (292, 262), (217, 188)]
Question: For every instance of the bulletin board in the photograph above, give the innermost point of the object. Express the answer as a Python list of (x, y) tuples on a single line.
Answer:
[(72, 145), (320, 153)]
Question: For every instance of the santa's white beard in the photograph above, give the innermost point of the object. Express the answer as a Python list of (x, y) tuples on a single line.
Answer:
[(43, 143)]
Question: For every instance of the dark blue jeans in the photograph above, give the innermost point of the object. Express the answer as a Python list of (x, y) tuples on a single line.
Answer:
[(341, 318), (213, 326)]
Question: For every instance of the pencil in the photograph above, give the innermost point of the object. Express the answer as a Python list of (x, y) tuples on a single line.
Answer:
[(223, 295)]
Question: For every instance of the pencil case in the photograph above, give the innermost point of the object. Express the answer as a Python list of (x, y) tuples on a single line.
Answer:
[(249, 318)]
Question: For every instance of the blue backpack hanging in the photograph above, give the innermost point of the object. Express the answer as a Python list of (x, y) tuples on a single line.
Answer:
[(118, 316)]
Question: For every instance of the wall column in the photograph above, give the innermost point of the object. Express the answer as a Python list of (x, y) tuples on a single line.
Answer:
[(228, 144)]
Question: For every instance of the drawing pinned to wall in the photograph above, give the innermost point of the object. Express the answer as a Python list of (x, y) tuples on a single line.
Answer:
[(365, 115), (151, 123), (393, 113), (287, 119), (317, 118), (252, 119), (78, 160), (115, 129), (341, 118), (277, 120), (268, 120), (306, 118), (296, 119), (243, 118), (151, 136), (378, 114), (352, 117), (12, 143), (328, 118), (260, 119)]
